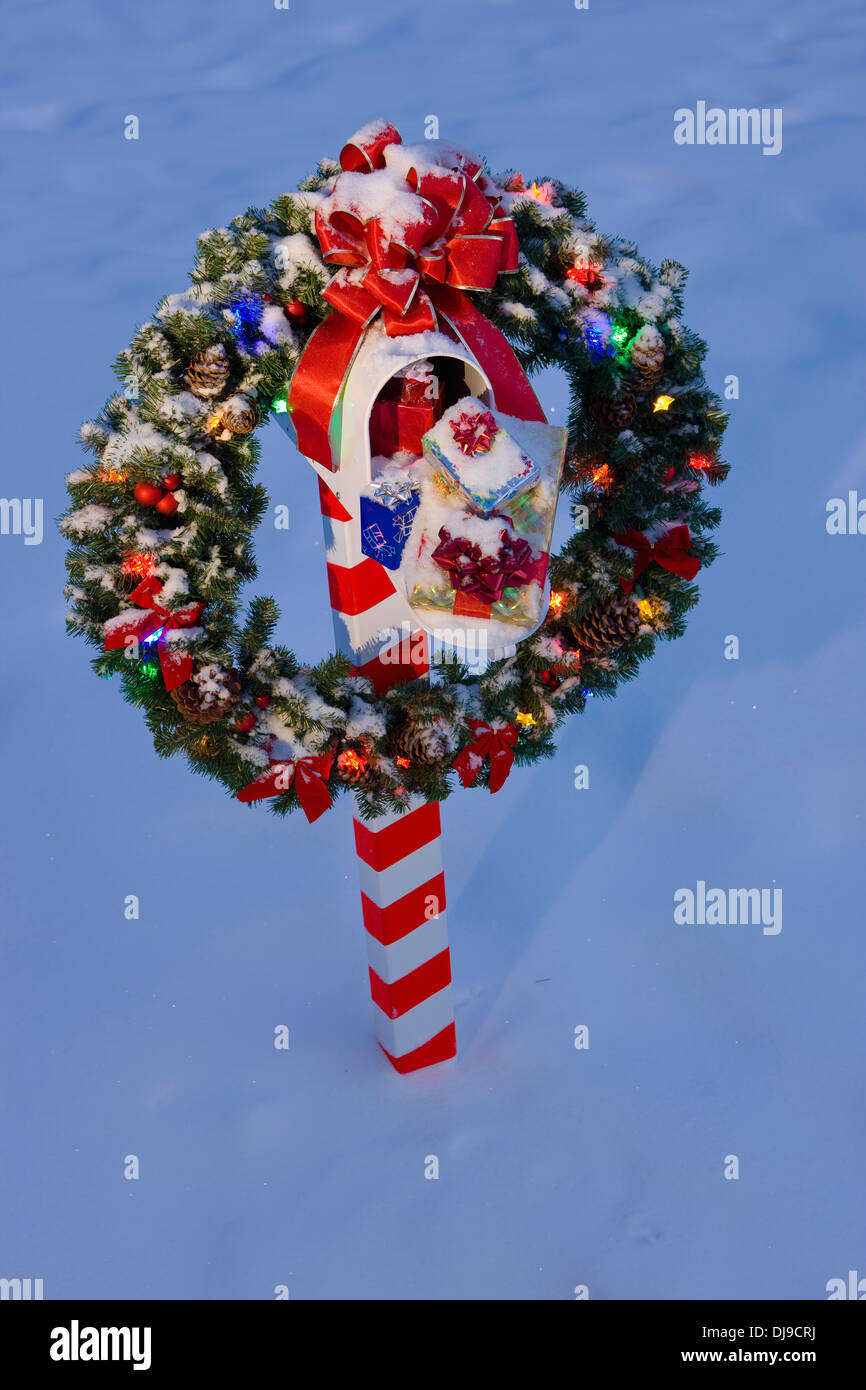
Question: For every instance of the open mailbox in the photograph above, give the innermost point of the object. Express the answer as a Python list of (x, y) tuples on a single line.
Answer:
[(455, 498)]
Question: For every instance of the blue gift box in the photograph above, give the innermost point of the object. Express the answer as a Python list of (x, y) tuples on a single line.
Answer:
[(385, 530)]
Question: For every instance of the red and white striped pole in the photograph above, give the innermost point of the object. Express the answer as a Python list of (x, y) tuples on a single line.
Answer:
[(403, 902), (399, 855)]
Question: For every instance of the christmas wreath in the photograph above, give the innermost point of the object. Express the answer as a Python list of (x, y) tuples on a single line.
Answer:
[(162, 520)]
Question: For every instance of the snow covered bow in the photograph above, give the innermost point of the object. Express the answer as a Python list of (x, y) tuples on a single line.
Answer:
[(176, 667), (497, 744), (485, 577), (671, 551), (310, 776), (407, 247), (473, 432)]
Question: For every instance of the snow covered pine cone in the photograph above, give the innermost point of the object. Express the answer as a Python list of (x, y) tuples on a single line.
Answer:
[(420, 743), (209, 694), (646, 358), (208, 373), (607, 625), (238, 415)]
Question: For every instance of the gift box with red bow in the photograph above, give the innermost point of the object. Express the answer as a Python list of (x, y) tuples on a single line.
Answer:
[(406, 409), (474, 446), (483, 553)]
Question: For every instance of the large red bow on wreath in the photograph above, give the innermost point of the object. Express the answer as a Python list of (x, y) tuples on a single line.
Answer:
[(310, 776), (671, 551), (176, 666), (408, 248), (495, 744)]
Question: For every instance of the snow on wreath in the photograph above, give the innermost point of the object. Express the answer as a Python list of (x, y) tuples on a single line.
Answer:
[(409, 288)]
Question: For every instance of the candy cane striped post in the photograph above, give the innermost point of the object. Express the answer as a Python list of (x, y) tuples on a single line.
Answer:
[(399, 856), (403, 903)]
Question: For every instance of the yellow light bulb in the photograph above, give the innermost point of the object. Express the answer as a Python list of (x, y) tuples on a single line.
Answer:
[(557, 602), (663, 403)]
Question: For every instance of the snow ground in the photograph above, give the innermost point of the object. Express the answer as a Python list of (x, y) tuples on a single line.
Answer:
[(558, 1167)]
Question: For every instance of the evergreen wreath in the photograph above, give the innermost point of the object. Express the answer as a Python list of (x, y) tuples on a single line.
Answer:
[(162, 522)]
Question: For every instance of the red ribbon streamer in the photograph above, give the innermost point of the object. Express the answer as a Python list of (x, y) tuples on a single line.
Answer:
[(671, 551), (495, 744), (450, 237), (176, 667), (310, 777)]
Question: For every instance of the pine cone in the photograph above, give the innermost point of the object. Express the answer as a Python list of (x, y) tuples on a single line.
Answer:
[(207, 373), (209, 694), (357, 766), (646, 353), (607, 625), (613, 412), (238, 415), (421, 743)]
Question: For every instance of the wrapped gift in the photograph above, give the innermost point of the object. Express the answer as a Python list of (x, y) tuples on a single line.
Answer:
[(387, 514), (420, 386), (483, 570), (410, 404), (485, 576), (473, 446), (485, 563)]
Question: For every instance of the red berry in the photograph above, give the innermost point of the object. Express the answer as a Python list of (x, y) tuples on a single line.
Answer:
[(147, 494), (246, 723), (263, 701), (296, 309), (167, 504), (171, 481)]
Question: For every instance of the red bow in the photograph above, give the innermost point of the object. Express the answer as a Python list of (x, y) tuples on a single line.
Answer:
[(473, 432), (407, 253), (486, 576), (671, 551), (176, 666), (310, 777), (495, 744)]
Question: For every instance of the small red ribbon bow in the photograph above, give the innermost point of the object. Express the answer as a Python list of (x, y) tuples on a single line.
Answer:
[(497, 744), (473, 432), (310, 776), (176, 666), (671, 551)]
